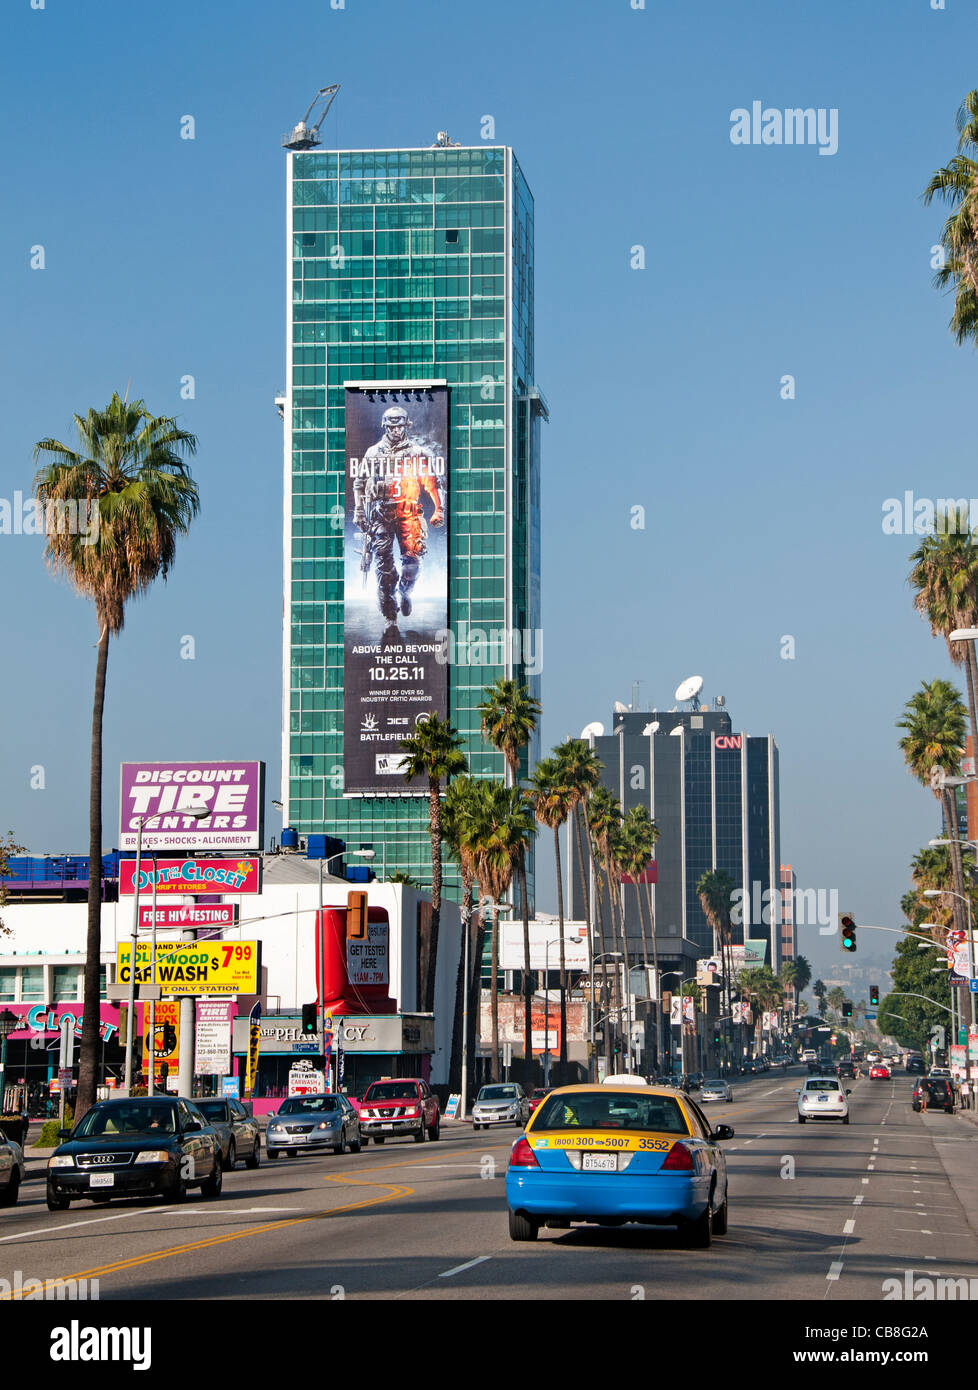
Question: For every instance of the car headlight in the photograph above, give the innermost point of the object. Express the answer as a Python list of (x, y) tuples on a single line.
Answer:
[(61, 1161), (152, 1156), (327, 1124), (276, 1127)]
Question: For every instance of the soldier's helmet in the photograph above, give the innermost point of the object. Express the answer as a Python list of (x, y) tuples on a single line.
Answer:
[(395, 423)]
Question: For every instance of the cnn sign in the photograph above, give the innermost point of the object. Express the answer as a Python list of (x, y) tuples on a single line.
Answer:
[(729, 740)]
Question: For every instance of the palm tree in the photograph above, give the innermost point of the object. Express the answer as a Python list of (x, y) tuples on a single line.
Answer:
[(455, 815), (945, 577), (432, 751), (402, 876), (552, 801), (934, 719), (789, 977), (803, 975), (835, 998), (957, 185), (604, 815), (639, 833), (582, 774), (129, 467), (818, 989), (715, 890), (497, 829), (509, 718)]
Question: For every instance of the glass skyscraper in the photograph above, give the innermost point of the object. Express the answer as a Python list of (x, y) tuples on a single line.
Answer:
[(407, 267)]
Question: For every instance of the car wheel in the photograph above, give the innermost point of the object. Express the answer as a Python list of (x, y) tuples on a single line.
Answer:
[(58, 1203), (380, 1138), (255, 1158), (845, 1119), (10, 1195), (698, 1234), (176, 1193), (211, 1187), (271, 1155), (435, 1131), (421, 1134), (522, 1227), (720, 1217), (228, 1163), (292, 1153), (355, 1146), (338, 1148)]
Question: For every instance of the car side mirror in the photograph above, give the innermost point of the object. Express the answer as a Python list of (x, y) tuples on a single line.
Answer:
[(848, 1093), (64, 1133), (723, 1132), (191, 1126)]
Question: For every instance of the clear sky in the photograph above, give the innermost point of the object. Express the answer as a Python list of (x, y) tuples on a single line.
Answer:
[(166, 257)]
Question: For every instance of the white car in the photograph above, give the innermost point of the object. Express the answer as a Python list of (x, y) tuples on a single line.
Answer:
[(822, 1098), (873, 1057), (715, 1090)]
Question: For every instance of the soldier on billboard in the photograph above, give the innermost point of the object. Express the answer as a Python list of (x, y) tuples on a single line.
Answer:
[(388, 507)]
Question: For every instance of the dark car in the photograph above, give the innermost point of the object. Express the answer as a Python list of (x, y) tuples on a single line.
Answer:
[(238, 1131), (845, 1068), (144, 1146), (694, 1081), (914, 1064), (939, 1093)]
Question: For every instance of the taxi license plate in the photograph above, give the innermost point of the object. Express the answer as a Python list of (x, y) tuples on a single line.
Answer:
[(601, 1163), (101, 1179)]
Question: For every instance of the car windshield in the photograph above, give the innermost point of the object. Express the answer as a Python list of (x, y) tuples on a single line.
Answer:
[(610, 1110), (497, 1093), (308, 1105), (127, 1119), (822, 1086), (212, 1109), (392, 1090)]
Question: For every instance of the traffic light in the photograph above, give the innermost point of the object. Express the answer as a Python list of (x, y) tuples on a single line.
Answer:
[(847, 929), (356, 916), (310, 1019), (847, 1009), (874, 995), (169, 1038), (716, 1038)]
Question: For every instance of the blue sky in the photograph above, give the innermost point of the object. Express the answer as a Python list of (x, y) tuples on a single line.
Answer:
[(763, 516)]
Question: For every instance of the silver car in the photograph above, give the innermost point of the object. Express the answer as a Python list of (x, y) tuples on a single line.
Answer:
[(325, 1121), (504, 1103), (715, 1090), (13, 1171)]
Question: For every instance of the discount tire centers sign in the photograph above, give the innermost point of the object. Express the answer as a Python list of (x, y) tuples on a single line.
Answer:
[(195, 967), (395, 594), (163, 795)]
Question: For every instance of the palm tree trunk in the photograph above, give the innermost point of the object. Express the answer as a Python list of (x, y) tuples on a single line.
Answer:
[(89, 1046), (577, 814), (494, 994), (655, 967), (562, 1063), (957, 871), (971, 674), (599, 917), (474, 986), (527, 979), (431, 964), (461, 986)]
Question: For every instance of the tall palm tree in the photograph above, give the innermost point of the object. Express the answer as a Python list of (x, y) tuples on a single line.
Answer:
[(715, 889), (456, 812), (432, 751), (509, 718), (604, 815), (957, 186), (552, 801), (582, 774), (789, 977), (934, 719), (497, 830), (818, 989), (129, 467), (803, 974), (945, 577), (639, 833)]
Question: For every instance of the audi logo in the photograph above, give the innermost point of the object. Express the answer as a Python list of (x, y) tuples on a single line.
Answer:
[(102, 1158)]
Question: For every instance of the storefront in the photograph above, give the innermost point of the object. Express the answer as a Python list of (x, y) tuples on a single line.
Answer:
[(33, 1051), (372, 1046)]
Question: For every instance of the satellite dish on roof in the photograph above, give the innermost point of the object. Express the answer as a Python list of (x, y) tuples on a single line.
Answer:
[(650, 728), (689, 689), (622, 709), (593, 730), (677, 730)]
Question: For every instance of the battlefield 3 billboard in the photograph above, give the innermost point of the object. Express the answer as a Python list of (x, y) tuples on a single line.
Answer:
[(395, 577)]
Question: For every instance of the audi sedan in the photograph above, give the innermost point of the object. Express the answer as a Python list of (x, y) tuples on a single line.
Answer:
[(326, 1121), (822, 1098), (138, 1147), (615, 1155)]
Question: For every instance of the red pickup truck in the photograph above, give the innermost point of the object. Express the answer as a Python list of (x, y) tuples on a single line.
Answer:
[(390, 1108)]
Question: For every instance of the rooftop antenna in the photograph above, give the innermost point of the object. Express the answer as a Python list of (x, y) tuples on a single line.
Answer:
[(636, 694), (302, 137), (688, 691)]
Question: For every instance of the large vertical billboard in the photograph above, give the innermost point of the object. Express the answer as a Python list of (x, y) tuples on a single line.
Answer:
[(395, 576)]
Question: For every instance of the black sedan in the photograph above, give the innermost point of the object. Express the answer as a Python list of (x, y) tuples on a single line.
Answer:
[(140, 1147)]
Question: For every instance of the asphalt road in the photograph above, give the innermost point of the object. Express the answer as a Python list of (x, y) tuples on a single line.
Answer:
[(817, 1212)]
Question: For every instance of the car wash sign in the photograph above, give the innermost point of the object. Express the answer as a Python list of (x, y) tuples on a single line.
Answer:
[(167, 798)]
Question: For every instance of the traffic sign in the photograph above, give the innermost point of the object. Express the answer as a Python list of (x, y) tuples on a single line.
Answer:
[(973, 986)]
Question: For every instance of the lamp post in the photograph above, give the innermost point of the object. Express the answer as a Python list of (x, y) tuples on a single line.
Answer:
[(604, 955), (575, 941), (682, 1036), (372, 854), (8, 1022)]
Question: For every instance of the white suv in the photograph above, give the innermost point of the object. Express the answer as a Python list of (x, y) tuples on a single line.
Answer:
[(822, 1098)]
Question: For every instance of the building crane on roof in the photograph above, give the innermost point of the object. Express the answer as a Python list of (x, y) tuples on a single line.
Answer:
[(302, 137)]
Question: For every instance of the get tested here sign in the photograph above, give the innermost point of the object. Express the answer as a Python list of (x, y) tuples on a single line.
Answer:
[(195, 967)]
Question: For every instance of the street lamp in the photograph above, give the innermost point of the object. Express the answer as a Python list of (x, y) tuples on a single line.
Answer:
[(574, 941), (8, 1022), (372, 854), (682, 1036), (604, 955)]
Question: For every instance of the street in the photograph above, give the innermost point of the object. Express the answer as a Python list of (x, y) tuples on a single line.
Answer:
[(820, 1212)]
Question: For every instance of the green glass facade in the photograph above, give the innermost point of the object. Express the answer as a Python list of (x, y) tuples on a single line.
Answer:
[(406, 266)]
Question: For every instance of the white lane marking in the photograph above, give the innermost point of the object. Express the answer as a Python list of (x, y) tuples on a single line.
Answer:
[(930, 1257), (447, 1274), (770, 1093), (856, 1201), (835, 1269), (849, 1227), (97, 1221)]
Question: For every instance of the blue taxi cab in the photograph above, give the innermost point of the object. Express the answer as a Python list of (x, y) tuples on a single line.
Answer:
[(613, 1154)]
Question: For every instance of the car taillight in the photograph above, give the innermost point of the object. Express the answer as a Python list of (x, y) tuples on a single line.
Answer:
[(678, 1160), (522, 1156)]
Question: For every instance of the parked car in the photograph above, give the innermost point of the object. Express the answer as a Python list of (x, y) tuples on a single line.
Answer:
[(822, 1098), (615, 1154), (142, 1146), (504, 1103), (939, 1093), (392, 1108), (239, 1132), (326, 1121), (715, 1090), (13, 1171)]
